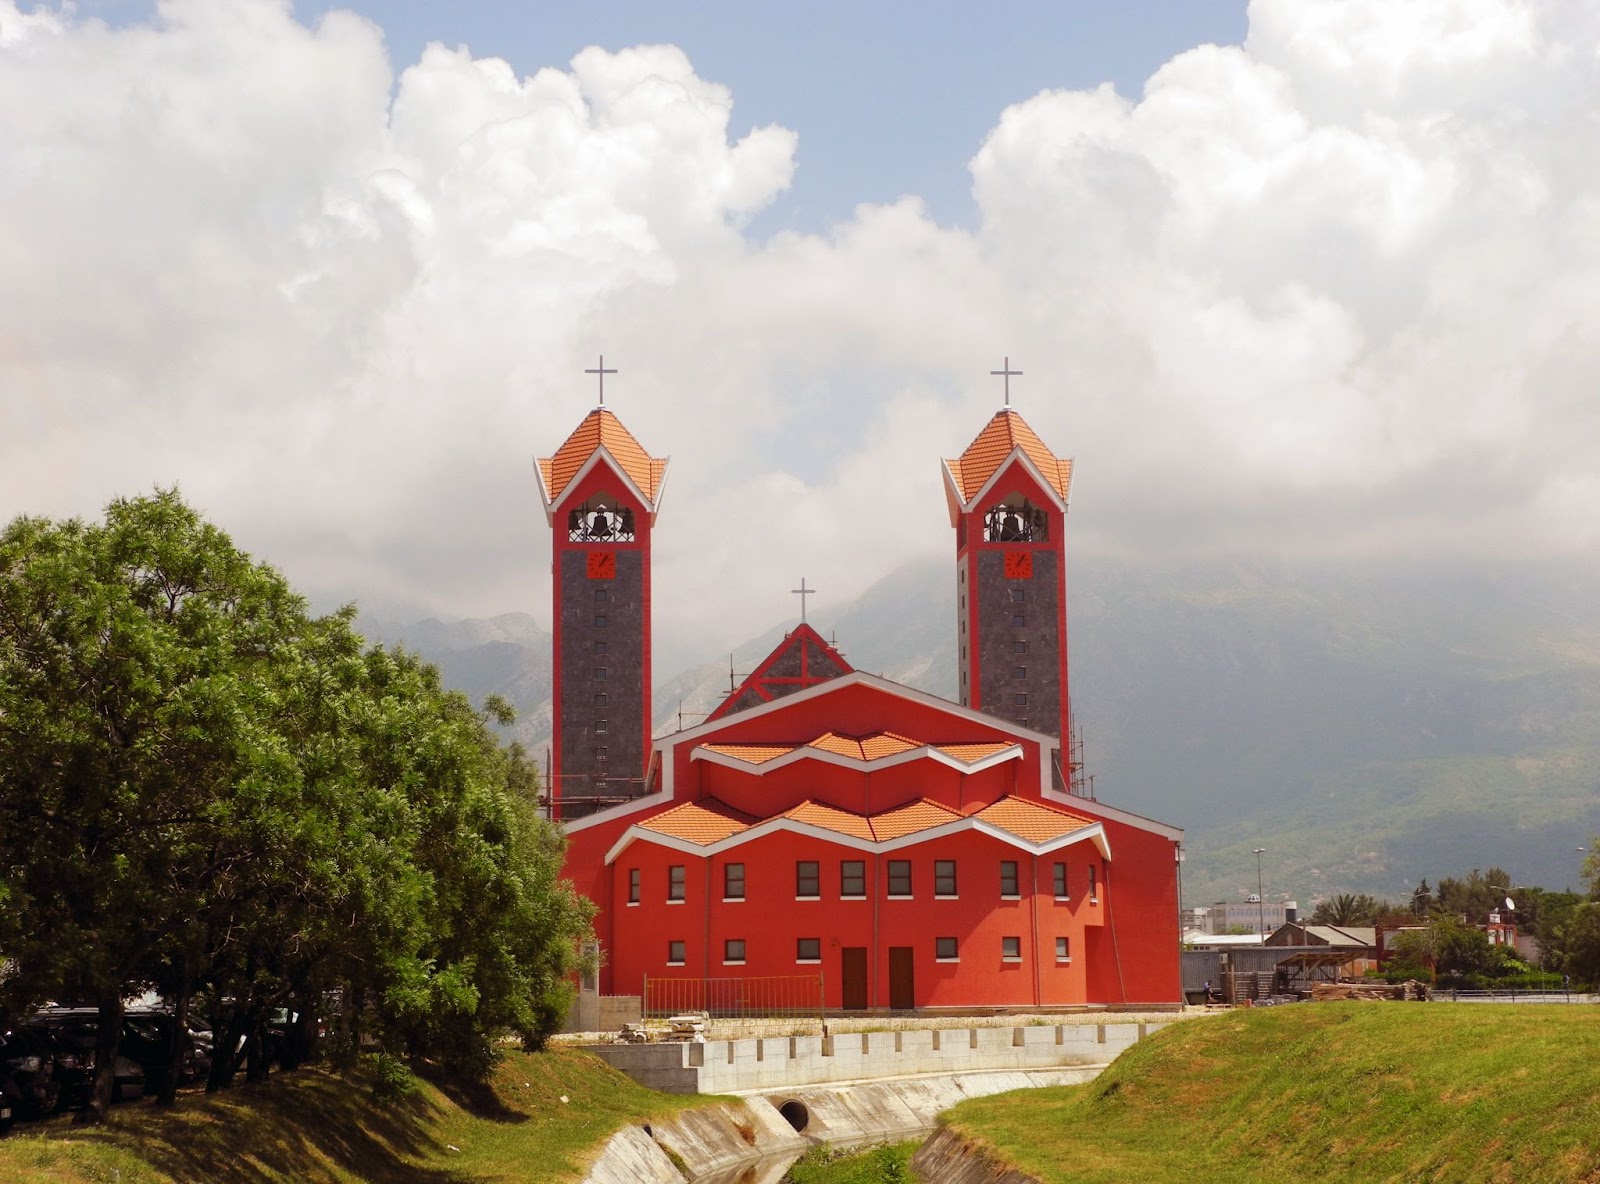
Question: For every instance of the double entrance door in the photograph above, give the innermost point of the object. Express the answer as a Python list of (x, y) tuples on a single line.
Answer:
[(853, 978)]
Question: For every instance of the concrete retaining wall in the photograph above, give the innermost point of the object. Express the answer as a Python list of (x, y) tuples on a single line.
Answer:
[(769, 1063), (950, 1159)]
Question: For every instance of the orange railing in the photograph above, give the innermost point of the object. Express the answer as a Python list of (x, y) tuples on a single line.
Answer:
[(788, 995)]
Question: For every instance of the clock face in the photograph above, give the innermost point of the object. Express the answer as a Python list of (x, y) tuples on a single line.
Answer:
[(1019, 565), (602, 565)]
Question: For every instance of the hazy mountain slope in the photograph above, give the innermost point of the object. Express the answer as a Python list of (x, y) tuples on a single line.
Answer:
[(1367, 726)]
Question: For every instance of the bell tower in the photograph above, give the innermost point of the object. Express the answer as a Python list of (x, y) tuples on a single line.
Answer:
[(600, 492), (1008, 495)]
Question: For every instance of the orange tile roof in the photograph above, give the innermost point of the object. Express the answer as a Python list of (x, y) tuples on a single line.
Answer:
[(705, 822), (599, 429), (886, 744), (971, 753), (910, 818), (1031, 821), (1005, 432), (830, 818), (752, 754)]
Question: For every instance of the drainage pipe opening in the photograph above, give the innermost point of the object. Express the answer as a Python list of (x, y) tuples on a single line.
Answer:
[(796, 1113)]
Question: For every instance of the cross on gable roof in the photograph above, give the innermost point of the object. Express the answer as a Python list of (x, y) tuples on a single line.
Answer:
[(802, 659)]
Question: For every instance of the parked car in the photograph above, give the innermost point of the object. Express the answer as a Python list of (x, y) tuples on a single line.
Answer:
[(151, 1040), (28, 1084)]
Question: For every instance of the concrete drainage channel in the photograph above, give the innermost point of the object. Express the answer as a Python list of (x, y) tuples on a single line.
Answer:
[(753, 1140)]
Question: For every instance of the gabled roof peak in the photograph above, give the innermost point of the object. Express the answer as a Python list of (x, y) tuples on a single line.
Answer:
[(802, 659), (1004, 434), (601, 429)]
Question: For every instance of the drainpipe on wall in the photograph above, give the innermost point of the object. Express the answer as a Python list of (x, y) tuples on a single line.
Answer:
[(872, 970), (706, 973), (1033, 916)]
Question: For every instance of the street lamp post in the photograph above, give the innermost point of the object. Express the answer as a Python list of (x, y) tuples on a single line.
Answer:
[(1261, 901)]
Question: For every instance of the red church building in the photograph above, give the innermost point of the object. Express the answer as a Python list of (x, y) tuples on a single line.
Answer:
[(913, 851)]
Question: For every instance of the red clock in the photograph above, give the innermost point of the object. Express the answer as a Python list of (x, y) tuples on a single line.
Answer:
[(602, 565), (1019, 565)]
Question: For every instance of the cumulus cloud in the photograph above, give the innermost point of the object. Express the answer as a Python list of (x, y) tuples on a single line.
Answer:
[(1327, 292)]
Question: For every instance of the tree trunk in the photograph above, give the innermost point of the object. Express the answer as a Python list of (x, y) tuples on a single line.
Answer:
[(108, 1039), (224, 1043), (256, 1048), (180, 1044)]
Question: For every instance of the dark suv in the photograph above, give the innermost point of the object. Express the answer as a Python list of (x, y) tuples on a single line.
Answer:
[(28, 1085), (150, 1042)]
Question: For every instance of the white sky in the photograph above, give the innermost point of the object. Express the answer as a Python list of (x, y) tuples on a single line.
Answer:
[(1331, 291)]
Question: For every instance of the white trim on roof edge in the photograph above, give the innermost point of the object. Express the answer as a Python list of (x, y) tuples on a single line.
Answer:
[(1016, 453), (1012, 752), (601, 452)]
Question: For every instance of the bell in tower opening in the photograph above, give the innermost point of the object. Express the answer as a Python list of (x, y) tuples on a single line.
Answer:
[(598, 522), (1016, 520)]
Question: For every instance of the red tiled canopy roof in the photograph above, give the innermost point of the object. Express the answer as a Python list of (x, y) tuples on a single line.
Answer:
[(601, 429), (1004, 433)]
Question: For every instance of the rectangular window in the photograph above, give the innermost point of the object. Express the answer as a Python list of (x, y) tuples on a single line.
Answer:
[(733, 881), (675, 952), (599, 725), (944, 877), (1019, 672), (1019, 647), (601, 595), (1017, 621), (1017, 593), (1011, 949), (602, 754), (945, 949), (852, 878), (677, 878), (633, 885), (600, 673), (1094, 891), (807, 879), (1061, 882), (733, 951), (599, 620), (1063, 950), (1008, 878), (1020, 700), (808, 949), (599, 647), (600, 699), (899, 877)]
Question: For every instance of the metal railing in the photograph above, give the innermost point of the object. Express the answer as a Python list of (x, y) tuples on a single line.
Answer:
[(779, 996)]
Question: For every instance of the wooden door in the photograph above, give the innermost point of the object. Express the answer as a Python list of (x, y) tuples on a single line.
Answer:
[(853, 977), (902, 982)]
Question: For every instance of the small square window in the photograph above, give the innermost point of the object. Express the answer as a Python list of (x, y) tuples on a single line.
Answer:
[(599, 647), (601, 595), (1011, 949), (677, 880), (852, 878), (733, 951), (599, 725), (599, 620), (1017, 621), (600, 673), (1008, 877), (1063, 950), (807, 878), (1018, 593), (1019, 672), (945, 949), (899, 877), (633, 885), (1020, 700), (1061, 882), (1019, 647), (808, 949), (675, 953), (733, 881), (944, 877), (600, 699), (602, 754)]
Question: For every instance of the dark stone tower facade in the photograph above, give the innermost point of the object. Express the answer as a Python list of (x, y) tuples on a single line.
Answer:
[(1008, 503), (600, 491)]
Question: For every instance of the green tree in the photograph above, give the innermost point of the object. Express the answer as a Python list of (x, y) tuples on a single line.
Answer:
[(1349, 909)]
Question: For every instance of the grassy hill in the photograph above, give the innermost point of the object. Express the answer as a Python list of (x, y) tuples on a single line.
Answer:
[(538, 1120), (1348, 1092)]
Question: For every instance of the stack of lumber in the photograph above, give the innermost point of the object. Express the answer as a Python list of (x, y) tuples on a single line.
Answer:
[(1328, 992)]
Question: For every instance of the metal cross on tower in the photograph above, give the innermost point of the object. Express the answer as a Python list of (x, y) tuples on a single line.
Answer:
[(602, 372), (1007, 372), (802, 592)]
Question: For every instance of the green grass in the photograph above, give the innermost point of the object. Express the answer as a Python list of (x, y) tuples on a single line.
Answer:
[(1349, 1092), (884, 1164), (312, 1127)]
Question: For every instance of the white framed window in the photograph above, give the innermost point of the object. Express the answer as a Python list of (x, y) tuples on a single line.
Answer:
[(946, 949), (1011, 949), (675, 953), (733, 952), (808, 950)]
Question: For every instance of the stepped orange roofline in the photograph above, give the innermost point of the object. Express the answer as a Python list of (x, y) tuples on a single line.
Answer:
[(1005, 436), (601, 436)]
